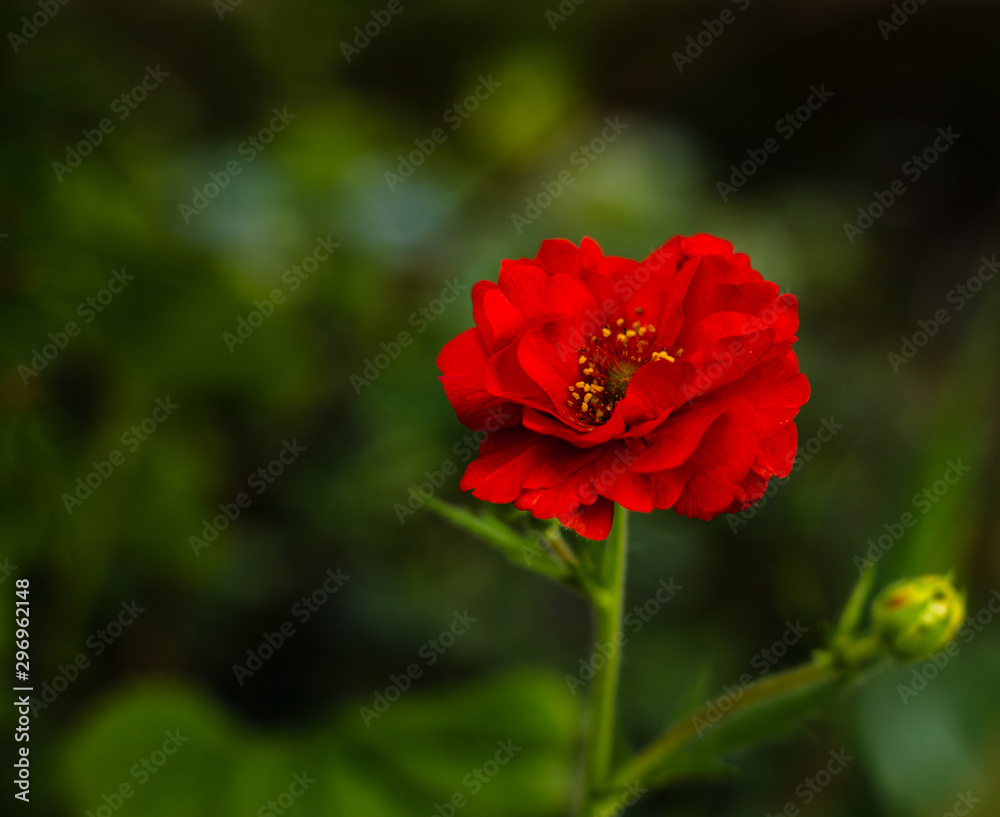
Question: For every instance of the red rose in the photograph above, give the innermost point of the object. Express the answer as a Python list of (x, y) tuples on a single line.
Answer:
[(597, 379)]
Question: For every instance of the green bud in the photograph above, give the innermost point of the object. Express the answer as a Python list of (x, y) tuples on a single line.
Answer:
[(915, 618)]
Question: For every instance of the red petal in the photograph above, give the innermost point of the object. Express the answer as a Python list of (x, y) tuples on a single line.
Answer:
[(658, 286), (591, 521), (724, 361), (782, 316), (711, 288), (776, 388), (676, 440), (514, 460), (576, 433), (539, 297), (723, 459), (559, 255), (463, 363), (499, 321), (646, 492), (537, 354), (775, 458), (717, 326), (505, 377), (592, 252), (651, 393), (527, 289), (583, 488)]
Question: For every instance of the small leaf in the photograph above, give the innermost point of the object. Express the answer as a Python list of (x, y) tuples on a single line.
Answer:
[(698, 744), (528, 552)]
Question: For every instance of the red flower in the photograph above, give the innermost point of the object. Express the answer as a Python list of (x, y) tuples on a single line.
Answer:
[(595, 379)]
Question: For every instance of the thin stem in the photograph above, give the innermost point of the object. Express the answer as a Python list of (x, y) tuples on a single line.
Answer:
[(608, 599), (554, 538)]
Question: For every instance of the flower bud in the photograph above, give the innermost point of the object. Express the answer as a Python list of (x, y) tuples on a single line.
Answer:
[(915, 618)]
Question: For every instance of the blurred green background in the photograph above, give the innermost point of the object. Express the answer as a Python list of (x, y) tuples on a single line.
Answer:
[(548, 78)]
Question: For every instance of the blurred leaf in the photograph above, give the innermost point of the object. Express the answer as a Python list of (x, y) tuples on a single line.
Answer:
[(750, 726), (965, 430), (181, 755)]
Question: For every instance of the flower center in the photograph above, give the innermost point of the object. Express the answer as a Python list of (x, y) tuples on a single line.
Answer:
[(606, 365)]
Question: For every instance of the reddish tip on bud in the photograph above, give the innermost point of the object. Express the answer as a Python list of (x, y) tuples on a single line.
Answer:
[(915, 618)]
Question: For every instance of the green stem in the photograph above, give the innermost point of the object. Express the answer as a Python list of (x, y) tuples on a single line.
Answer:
[(608, 599), (818, 671)]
